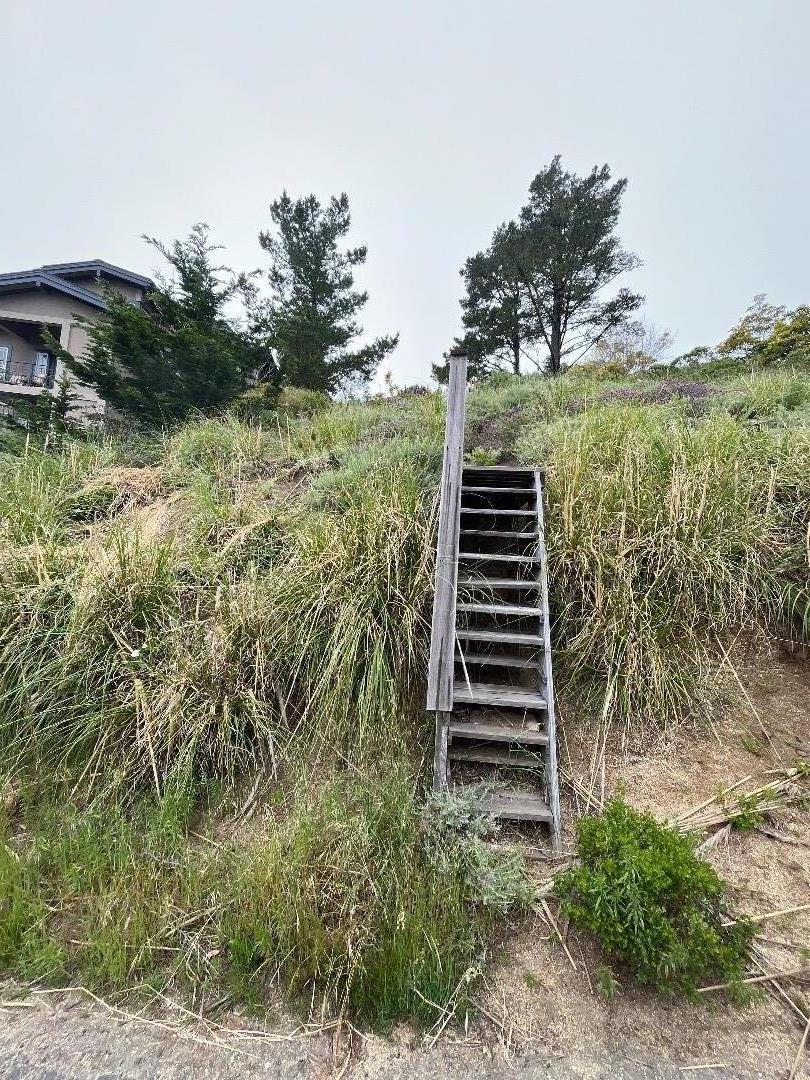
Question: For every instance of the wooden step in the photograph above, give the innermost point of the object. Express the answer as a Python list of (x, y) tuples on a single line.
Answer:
[(495, 470), (507, 697), (525, 736), (500, 490), (499, 583), (517, 806), (498, 513), (501, 637), (500, 661), (486, 556), (527, 534), (490, 755), (500, 609)]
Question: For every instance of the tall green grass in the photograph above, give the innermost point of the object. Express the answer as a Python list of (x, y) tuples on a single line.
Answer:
[(237, 602), (664, 533), (340, 900)]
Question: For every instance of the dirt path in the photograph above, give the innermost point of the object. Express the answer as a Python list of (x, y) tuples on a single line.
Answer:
[(70, 1039)]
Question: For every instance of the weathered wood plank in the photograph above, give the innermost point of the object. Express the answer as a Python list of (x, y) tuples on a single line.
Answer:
[(442, 637), (504, 637), (466, 510), (501, 661), (485, 556), (489, 488), (517, 697), (494, 755), (552, 780), (522, 534), (517, 806), (498, 583), (525, 736), (518, 610)]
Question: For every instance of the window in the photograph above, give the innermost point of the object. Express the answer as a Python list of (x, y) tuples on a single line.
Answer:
[(39, 368), (5, 362)]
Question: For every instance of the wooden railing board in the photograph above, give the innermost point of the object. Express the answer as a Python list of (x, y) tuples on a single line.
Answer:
[(442, 636)]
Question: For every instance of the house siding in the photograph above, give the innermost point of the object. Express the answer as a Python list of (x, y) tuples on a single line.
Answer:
[(47, 307)]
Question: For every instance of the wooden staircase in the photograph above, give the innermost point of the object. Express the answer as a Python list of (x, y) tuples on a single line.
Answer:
[(490, 681)]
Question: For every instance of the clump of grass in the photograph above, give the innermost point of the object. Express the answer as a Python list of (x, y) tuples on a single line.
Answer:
[(348, 897), (350, 605), (664, 533), (127, 665), (36, 487), (343, 902), (651, 903), (768, 395)]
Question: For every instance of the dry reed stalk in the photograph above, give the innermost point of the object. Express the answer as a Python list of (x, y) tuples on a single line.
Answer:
[(767, 798), (800, 1052), (800, 974)]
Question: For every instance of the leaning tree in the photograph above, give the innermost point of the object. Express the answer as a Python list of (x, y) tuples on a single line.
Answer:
[(545, 278)]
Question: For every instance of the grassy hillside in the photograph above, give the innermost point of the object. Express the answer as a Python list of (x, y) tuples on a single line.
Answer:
[(212, 654)]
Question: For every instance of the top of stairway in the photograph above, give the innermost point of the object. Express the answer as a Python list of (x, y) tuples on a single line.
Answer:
[(496, 470)]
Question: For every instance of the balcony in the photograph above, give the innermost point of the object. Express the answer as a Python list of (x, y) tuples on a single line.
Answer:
[(36, 372)]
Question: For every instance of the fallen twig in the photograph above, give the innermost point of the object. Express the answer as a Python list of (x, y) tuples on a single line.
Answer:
[(554, 926), (800, 1052), (769, 915), (796, 973)]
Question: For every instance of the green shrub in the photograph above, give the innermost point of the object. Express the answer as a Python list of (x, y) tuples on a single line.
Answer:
[(459, 832), (481, 455), (652, 904)]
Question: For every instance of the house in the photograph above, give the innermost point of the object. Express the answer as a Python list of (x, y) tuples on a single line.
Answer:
[(54, 297)]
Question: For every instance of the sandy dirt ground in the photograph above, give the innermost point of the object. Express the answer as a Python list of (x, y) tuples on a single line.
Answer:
[(538, 1013), (70, 1039)]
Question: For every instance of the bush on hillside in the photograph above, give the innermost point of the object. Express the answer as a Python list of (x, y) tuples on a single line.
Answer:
[(651, 903)]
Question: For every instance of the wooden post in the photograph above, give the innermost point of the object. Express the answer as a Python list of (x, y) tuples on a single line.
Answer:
[(443, 630), (440, 752)]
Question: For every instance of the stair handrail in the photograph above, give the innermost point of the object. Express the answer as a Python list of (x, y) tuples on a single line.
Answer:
[(443, 629)]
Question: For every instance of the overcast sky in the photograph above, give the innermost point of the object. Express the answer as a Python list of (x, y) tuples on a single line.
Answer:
[(120, 119)]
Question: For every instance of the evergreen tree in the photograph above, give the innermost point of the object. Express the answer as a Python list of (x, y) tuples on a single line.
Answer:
[(311, 317), (541, 280), (498, 320), (180, 350), (566, 252)]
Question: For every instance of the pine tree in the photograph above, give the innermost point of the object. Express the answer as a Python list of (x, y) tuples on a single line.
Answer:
[(540, 281), (566, 252), (311, 318)]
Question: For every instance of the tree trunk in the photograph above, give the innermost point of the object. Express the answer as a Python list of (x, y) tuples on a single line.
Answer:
[(516, 354), (555, 350)]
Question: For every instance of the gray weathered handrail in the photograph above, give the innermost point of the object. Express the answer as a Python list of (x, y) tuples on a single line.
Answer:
[(443, 631), (552, 781)]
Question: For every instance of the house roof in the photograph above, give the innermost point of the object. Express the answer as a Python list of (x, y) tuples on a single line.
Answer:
[(57, 276), (98, 267), (24, 279)]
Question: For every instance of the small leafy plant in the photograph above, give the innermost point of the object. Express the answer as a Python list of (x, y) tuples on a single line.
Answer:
[(459, 833), (652, 903), (482, 455)]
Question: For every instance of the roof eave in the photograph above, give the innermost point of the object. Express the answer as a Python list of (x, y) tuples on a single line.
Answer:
[(39, 279)]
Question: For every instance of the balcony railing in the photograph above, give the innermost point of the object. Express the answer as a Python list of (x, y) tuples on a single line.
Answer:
[(27, 373)]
